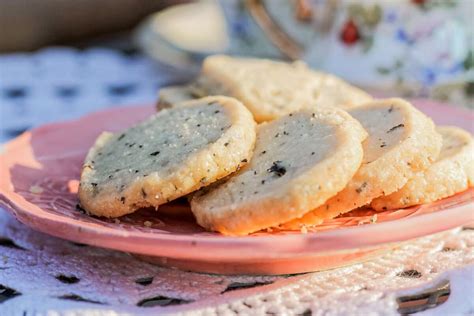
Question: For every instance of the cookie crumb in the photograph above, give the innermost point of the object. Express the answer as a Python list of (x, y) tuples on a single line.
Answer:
[(304, 230), (36, 189), (373, 219), (147, 223)]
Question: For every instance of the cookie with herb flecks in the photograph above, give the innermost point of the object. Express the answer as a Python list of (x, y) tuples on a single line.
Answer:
[(172, 95), (402, 142), (300, 161), (334, 91), (453, 172), (271, 89), (167, 156)]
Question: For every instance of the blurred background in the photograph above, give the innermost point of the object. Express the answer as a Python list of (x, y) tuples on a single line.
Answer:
[(60, 59)]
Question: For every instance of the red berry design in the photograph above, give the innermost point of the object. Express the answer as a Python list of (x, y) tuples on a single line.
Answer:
[(419, 2), (350, 33)]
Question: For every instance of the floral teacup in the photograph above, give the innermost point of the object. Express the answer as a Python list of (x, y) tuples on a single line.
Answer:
[(410, 47)]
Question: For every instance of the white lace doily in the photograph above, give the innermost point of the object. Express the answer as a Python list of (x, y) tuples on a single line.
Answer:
[(43, 275)]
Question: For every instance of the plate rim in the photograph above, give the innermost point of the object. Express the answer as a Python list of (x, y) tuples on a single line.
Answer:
[(245, 247)]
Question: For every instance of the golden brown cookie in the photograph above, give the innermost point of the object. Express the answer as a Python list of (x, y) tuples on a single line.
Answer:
[(300, 161), (402, 142), (453, 172), (169, 155), (271, 89)]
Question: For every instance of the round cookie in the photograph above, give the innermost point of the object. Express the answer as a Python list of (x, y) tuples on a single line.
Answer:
[(271, 89), (334, 91), (172, 95), (453, 172), (402, 142), (299, 161), (167, 156)]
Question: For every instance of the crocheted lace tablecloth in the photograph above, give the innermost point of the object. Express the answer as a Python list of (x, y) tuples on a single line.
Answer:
[(43, 275), (62, 83)]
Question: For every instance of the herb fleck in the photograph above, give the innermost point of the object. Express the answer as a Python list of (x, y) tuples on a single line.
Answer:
[(395, 127), (155, 153), (277, 168), (359, 189)]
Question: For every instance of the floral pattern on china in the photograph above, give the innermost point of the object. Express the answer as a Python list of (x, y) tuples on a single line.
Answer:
[(425, 44), (408, 45)]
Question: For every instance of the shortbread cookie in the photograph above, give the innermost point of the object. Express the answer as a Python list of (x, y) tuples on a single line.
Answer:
[(172, 95), (402, 142), (453, 172), (300, 161), (271, 89), (334, 91), (169, 155)]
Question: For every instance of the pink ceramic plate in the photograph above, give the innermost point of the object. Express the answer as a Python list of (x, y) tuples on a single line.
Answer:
[(38, 184)]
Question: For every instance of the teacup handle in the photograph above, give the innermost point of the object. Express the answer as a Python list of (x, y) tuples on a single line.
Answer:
[(289, 47), (284, 42)]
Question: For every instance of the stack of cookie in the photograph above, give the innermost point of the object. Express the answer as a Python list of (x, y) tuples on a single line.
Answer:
[(256, 144)]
